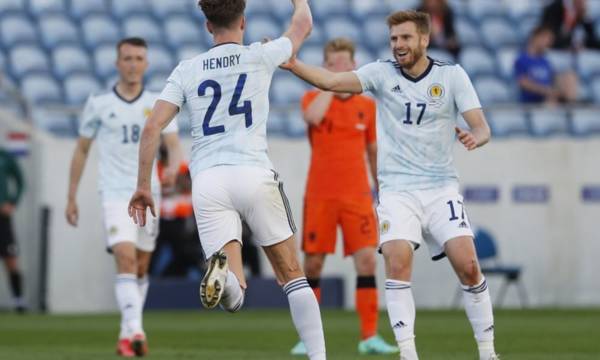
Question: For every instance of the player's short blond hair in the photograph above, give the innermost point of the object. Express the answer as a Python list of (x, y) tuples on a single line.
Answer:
[(337, 45), (422, 20)]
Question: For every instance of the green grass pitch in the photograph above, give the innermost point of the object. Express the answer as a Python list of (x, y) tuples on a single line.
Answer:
[(269, 334)]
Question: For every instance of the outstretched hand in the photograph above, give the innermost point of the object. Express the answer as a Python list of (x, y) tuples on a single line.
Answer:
[(141, 200), (289, 65), (466, 138)]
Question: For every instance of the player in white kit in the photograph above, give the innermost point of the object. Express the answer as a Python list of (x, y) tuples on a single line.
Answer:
[(226, 92), (418, 102), (116, 119)]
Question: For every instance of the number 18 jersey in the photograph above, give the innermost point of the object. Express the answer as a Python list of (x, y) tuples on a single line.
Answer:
[(226, 92)]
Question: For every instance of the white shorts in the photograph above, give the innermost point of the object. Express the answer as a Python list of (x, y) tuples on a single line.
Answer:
[(436, 215), (224, 195), (120, 227)]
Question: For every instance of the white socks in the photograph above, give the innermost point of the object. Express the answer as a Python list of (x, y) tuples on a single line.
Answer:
[(478, 306), (401, 311), (143, 284), (233, 295), (306, 317), (130, 304)]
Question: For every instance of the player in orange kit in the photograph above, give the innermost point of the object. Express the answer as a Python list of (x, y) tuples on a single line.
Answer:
[(341, 130)]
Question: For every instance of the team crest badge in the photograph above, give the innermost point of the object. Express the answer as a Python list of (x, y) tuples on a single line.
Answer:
[(147, 112), (436, 91), (113, 231), (385, 227)]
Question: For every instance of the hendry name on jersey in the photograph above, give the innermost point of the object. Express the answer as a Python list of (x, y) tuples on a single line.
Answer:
[(221, 62)]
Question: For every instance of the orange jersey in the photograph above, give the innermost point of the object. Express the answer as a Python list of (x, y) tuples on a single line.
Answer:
[(338, 167)]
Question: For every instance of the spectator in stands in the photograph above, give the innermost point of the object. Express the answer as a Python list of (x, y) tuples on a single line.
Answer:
[(538, 81), (443, 34), (11, 189), (569, 22)]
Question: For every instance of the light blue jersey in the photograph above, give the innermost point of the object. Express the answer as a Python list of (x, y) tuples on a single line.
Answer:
[(416, 118), (117, 124), (226, 92)]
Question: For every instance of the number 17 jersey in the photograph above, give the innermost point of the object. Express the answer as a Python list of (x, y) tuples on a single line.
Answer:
[(226, 92)]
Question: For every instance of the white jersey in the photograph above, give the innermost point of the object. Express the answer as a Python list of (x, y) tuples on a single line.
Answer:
[(226, 92), (117, 126), (416, 118)]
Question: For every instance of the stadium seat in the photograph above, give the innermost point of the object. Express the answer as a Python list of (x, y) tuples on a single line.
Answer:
[(144, 27), (180, 30), (159, 60), (439, 54), (363, 56), (122, 9), (507, 121), (104, 61), (99, 30), (477, 61), (548, 121), (498, 32), (281, 9), (588, 63), (78, 87), (40, 8), (260, 8), (57, 30), (295, 125), (161, 8), (595, 89), (317, 37), (585, 122), (397, 5), (312, 55), (376, 32), (27, 58), (189, 51), (2, 63), (385, 53), (287, 89), (368, 8), (526, 26), (67, 60), (157, 82), (506, 60), (492, 90), (561, 60), (111, 81), (322, 10), (10, 6), (480, 10), (260, 27), (39, 89), (339, 26), (82, 8), (17, 30), (467, 32), (58, 123)]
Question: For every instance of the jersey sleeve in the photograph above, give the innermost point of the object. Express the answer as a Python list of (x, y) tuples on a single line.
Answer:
[(90, 119), (520, 67), (370, 76), (465, 96), (276, 52), (307, 99), (174, 90), (371, 115)]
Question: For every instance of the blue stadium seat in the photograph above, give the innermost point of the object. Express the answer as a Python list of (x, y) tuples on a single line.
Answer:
[(67, 60), (104, 61), (42, 8), (78, 87), (82, 8), (260, 27), (160, 60), (189, 51), (477, 61), (363, 56), (480, 10), (492, 90), (180, 30), (468, 34), (260, 8), (368, 8), (506, 60), (162, 8), (27, 58), (17, 30), (3, 64), (439, 54), (317, 36), (99, 30), (322, 10), (526, 26), (548, 121), (58, 123), (339, 26), (561, 60), (295, 125), (585, 122), (287, 89), (41, 89), (593, 9), (110, 81), (595, 88), (10, 6), (144, 27), (393, 6), (519, 11), (376, 32), (277, 122), (385, 53), (121, 9), (157, 81), (312, 54), (498, 32), (281, 9), (57, 30), (588, 63), (507, 121)]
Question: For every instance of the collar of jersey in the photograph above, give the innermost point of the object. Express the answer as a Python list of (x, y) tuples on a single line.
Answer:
[(125, 100), (418, 78), (226, 43)]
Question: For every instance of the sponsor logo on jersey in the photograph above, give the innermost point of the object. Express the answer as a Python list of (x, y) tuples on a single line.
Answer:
[(113, 231), (463, 225), (436, 91), (397, 89), (385, 226)]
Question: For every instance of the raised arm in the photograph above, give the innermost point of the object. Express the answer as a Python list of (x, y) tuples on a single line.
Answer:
[(301, 24), (479, 131), (324, 79), (78, 161)]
